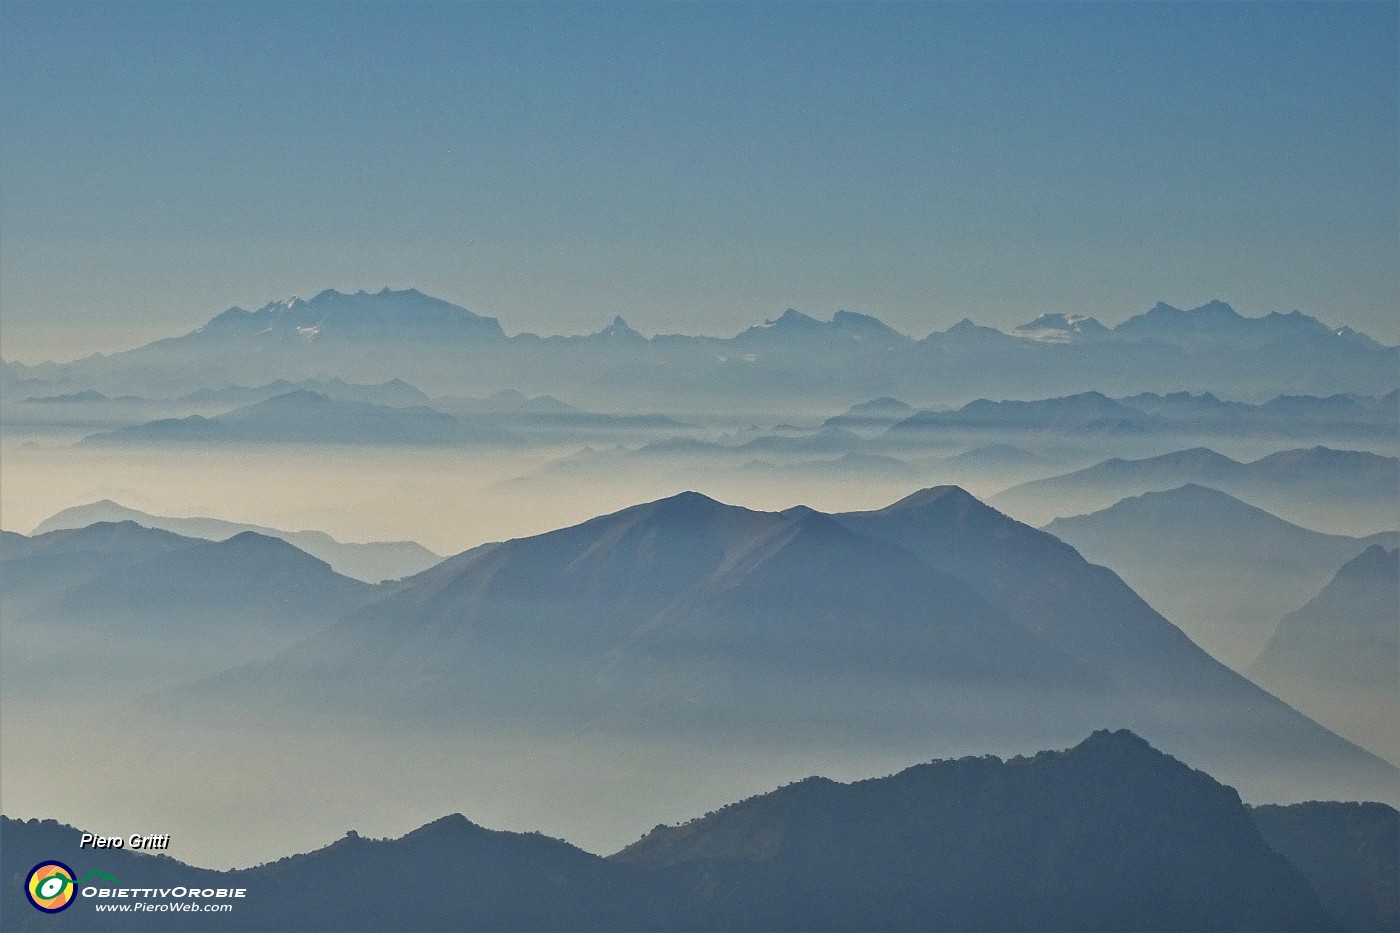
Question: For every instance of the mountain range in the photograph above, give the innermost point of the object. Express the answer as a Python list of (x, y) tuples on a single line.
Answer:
[(302, 416), (447, 349), (1338, 491), (936, 618), (1246, 567), (116, 607), (1108, 835), (1176, 414)]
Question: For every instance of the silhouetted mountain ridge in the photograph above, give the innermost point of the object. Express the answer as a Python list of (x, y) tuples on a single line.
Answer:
[(1317, 487), (447, 350), (372, 562), (114, 607), (1110, 834), (1247, 566)]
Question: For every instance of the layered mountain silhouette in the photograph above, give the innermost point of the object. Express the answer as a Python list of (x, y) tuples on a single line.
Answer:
[(519, 413), (1108, 835), (116, 605), (302, 416), (937, 618), (373, 562), (332, 316), (1338, 657), (1089, 412), (447, 349), (794, 331), (1318, 487), (944, 845), (1338, 416), (1215, 323), (877, 413), (1175, 414), (997, 458), (1164, 684), (394, 392), (1223, 570)]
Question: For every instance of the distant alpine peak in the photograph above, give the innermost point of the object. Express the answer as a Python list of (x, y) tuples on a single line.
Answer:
[(686, 504), (798, 511), (968, 328), (844, 325), (1375, 559), (949, 495), (334, 315), (327, 295), (620, 329), (883, 403), (1061, 321), (1063, 328), (1215, 308), (856, 321), (792, 318)]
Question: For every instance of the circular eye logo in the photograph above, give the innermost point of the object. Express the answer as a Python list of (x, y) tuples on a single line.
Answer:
[(49, 886)]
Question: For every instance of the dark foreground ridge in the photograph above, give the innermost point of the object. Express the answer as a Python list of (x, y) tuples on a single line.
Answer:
[(1108, 835)]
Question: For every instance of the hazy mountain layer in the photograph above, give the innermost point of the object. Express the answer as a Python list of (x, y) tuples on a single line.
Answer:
[(1222, 570), (937, 617), (1338, 657), (372, 562), (305, 417), (446, 349), (1338, 491), (115, 607), (1350, 853), (1164, 684), (1176, 414)]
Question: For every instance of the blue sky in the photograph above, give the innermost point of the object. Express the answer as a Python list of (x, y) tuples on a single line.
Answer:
[(694, 167)]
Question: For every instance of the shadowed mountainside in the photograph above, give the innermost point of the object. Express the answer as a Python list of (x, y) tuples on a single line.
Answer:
[(1350, 853), (1108, 835)]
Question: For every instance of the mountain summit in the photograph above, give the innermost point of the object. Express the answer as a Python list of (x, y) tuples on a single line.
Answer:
[(335, 316), (935, 620)]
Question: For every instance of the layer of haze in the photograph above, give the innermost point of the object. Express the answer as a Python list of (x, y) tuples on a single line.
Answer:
[(236, 791), (693, 167)]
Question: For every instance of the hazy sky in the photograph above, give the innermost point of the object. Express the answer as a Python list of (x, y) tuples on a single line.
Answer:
[(694, 168)]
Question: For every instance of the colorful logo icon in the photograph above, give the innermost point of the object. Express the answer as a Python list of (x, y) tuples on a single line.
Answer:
[(50, 887)]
